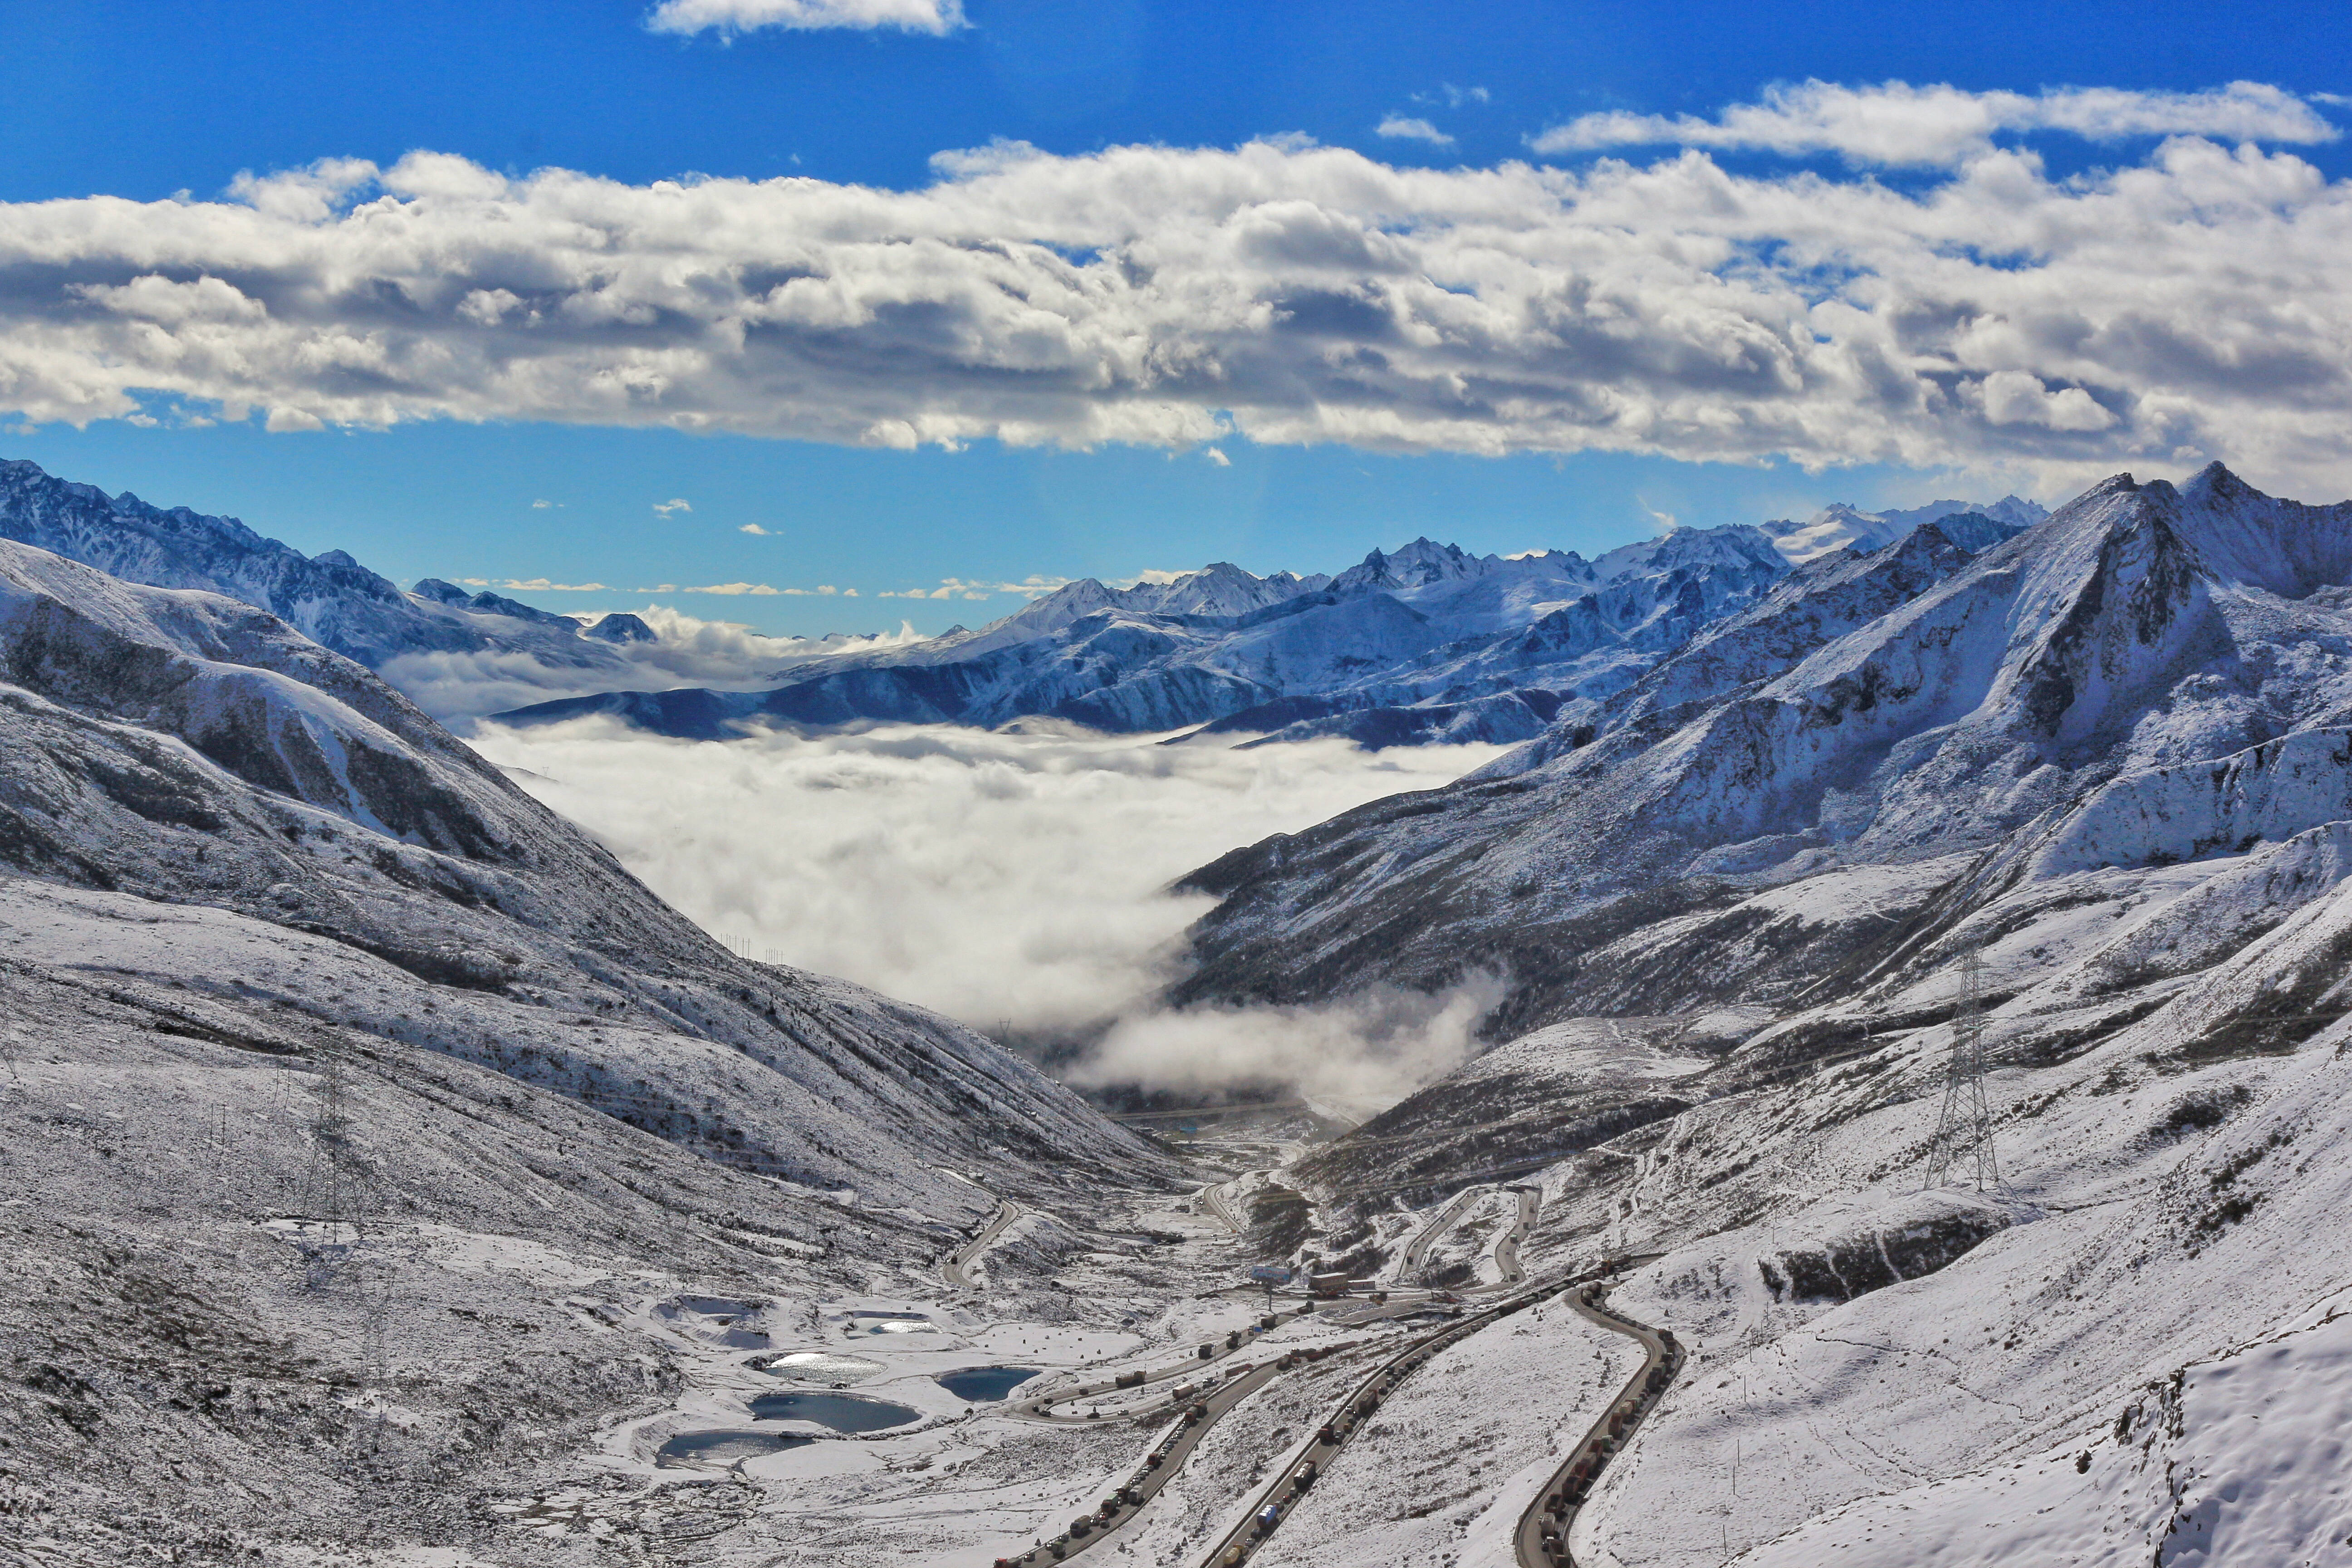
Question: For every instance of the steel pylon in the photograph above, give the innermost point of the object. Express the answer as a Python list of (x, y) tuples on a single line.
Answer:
[(1963, 1148)]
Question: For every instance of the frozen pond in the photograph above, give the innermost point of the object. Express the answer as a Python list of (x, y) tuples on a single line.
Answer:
[(978, 1384), (840, 1412), (822, 1366), (724, 1448), (891, 1323)]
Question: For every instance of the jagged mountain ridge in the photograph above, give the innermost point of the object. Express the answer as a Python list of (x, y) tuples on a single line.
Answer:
[(1488, 649), (1427, 643), (178, 747), (1896, 709), (329, 598)]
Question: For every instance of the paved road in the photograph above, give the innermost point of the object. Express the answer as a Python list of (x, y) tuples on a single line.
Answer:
[(1506, 1247), (1415, 1249), (1542, 1538), (1213, 1195), (1160, 1466), (1166, 1456), (1193, 1366), (955, 1268), (1283, 1494)]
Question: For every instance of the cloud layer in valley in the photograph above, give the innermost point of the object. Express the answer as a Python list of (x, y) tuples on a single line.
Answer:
[(688, 651), (1006, 879), (2194, 300)]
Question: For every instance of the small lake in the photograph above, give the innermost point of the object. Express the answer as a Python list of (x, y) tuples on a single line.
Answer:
[(891, 1323), (838, 1411), (979, 1385), (724, 1448), (822, 1366)]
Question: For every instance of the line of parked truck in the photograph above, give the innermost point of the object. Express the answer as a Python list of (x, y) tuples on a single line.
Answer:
[(1333, 1434), (1575, 1482)]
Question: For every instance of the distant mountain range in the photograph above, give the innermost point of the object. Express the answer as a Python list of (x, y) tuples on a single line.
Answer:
[(1424, 644), (456, 653)]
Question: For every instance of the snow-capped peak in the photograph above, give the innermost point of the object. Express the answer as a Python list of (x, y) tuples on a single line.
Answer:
[(1839, 526), (1734, 544)]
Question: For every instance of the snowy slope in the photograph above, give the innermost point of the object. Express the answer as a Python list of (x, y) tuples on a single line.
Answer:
[(1986, 705), (2110, 759), (181, 748)]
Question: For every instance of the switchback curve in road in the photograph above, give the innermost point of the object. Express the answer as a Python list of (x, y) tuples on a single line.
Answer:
[(1213, 1195), (956, 1267), (1418, 1247), (1509, 1271), (1542, 1539)]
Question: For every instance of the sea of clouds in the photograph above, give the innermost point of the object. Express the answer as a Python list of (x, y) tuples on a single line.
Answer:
[(726, 655), (1017, 881)]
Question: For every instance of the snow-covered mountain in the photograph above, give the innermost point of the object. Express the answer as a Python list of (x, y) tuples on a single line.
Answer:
[(377, 1147), (1427, 643), (175, 747), (2108, 765), (456, 654), (329, 598), (1842, 527), (1891, 711)]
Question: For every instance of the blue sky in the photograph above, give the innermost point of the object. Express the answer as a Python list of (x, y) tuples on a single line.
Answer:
[(417, 476)]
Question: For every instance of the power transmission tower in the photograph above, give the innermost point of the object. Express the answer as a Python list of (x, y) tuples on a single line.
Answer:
[(331, 1126), (1964, 1132)]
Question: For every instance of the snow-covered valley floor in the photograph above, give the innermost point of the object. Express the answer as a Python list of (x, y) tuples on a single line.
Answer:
[(480, 1325)]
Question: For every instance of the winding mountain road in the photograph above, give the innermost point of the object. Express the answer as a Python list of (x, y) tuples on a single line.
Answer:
[(1161, 1465), (1040, 1407), (956, 1267), (1194, 1410), (1542, 1539), (1418, 1247), (1507, 1267), (1213, 1195)]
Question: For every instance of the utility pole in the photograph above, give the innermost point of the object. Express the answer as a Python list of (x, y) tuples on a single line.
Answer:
[(1964, 1132)]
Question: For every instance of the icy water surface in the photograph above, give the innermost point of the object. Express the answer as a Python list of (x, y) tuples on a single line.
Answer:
[(724, 1448), (822, 1366), (978, 1384), (841, 1412)]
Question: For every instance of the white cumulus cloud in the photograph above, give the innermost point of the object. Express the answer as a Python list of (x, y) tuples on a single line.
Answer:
[(2196, 297), (1897, 124), (1032, 587), (1397, 127), (689, 16)]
